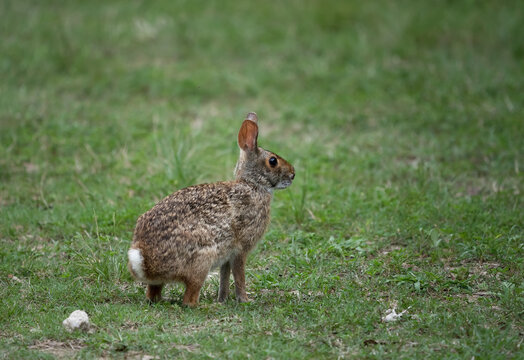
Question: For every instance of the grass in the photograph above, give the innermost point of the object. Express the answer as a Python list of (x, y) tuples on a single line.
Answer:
[(403, 120)]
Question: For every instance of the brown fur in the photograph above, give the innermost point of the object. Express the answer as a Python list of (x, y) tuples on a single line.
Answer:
[(187, 233)]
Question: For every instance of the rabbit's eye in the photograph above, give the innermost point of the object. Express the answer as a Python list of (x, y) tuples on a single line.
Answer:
[(273, 161)]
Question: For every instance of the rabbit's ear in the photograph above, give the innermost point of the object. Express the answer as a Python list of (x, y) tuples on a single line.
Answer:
[(253, 117), (247, 136)]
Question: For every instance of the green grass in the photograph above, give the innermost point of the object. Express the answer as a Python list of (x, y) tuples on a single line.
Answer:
[(404, 121)]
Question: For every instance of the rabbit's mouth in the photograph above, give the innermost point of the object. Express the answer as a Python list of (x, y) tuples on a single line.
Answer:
[(283, 184)]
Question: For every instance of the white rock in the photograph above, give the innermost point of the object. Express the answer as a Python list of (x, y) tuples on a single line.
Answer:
[(391, 315), (77, 320)]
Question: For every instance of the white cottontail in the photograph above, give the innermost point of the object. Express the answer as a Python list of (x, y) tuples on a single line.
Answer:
[(204, 226)]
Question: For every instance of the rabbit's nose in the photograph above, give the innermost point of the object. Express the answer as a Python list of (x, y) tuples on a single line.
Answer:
[(292, 176)]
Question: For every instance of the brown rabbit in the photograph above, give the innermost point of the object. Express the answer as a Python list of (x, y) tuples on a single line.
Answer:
[(204, 226)]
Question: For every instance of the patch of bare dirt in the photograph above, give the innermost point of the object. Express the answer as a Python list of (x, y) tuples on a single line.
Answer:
[(62, 350), (480, 269), (189, 348), (130, 355)]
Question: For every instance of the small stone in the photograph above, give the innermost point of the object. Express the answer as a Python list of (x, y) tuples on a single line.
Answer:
[(391, 315), (77, 320), (14, 278)]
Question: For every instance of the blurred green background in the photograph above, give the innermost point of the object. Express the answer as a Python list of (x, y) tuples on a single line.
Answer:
[(403, 119)]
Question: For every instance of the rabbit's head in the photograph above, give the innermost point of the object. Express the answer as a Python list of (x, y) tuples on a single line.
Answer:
[(257, 165)]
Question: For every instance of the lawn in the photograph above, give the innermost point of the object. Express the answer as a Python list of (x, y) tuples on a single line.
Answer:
[(404, 121)]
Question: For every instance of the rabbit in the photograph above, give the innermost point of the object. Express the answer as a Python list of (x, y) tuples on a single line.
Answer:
[(205, 226)]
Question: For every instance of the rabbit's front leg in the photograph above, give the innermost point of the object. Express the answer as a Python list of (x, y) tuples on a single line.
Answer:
[(225, 272), (239, 264)]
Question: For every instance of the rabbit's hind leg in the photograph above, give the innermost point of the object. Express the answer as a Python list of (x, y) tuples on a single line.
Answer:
[(154, 292), (193, 286)]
